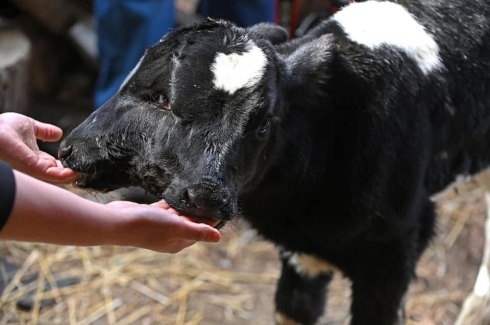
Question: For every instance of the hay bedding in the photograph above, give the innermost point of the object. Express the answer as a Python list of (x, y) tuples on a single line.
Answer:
[(229, 283)]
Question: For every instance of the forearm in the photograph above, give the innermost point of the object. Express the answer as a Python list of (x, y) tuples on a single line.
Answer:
[(48, 214)]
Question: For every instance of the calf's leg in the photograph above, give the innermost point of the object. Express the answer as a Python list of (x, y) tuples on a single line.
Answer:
[(379, 293), (382, 273), (302, 289)]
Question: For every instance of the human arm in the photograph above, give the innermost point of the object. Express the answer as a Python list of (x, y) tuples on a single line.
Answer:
[(48, 214), (18, 147)]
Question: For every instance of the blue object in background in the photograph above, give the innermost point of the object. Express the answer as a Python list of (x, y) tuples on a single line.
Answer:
[(244, 13), (126, 28)]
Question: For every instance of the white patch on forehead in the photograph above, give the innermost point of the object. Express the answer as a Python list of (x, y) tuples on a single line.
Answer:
[(132, 72), (235, 71), (310, 265), (374, 24)]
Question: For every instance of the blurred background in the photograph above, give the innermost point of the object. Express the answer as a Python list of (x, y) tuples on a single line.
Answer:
[(59, 60)]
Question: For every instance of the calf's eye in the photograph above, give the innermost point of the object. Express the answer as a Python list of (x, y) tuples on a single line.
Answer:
[(163, 102), (159, 100), (262, 130)]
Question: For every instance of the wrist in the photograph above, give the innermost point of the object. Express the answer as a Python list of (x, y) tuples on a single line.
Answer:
[(115, 226)]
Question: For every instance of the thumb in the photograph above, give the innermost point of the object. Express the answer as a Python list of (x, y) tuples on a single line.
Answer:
[(47, 132), (200, 232)]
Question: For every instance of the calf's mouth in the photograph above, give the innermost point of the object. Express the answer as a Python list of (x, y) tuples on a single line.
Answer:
[(203, 202), (94, 181)]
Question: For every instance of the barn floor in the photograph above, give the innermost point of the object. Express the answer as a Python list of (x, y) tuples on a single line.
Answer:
[(232, 282)]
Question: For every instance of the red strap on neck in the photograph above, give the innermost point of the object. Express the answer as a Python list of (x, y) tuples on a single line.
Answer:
[(333, 9)]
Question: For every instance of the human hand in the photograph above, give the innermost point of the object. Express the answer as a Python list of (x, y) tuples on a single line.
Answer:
[(18, 147), (159, 227)]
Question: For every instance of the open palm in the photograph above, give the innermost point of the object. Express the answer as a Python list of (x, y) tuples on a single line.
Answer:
[(18, 147)]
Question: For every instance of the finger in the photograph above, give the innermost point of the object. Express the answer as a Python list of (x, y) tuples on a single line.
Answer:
[(46, 156), (209, 222), (190, 219), (161, 204), (60, 175), (164, 205), (47, 132), (172, 210), (179, 245), (199, 232), (45, 161)]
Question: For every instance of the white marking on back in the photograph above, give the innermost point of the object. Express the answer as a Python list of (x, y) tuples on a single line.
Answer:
[(132, 72), (374, 24), (235, 71)]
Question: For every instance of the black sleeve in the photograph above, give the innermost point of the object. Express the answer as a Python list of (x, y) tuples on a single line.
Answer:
[(7, 192)]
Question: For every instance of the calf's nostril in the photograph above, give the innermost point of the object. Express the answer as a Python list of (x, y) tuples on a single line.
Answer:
[(204, 200), (64, 153), (190, 195)]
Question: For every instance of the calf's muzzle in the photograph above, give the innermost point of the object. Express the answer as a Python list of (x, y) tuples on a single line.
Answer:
[(205, 200)]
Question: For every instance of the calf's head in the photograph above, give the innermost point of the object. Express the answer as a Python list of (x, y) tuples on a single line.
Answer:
[(195, 122)]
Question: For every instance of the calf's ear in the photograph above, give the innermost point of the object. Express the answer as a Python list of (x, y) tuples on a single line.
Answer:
[(275, 34), (308, 65)]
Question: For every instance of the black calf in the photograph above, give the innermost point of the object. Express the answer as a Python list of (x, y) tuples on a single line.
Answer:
[(330, 145)]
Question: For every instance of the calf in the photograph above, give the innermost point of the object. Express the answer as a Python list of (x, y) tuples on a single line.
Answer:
[(330, 145)]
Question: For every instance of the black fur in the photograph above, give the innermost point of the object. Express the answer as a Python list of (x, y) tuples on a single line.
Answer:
[(355, 143)]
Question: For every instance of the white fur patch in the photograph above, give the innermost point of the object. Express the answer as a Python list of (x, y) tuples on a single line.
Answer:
[(374, 24), (310, 265), (235, 71), (132, 72)]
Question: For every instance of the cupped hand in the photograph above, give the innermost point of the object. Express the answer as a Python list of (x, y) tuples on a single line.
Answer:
[(18, 147), (160, 228)]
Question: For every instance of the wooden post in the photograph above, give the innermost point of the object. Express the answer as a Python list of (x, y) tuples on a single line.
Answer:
[(14, 70), (56, 15)]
